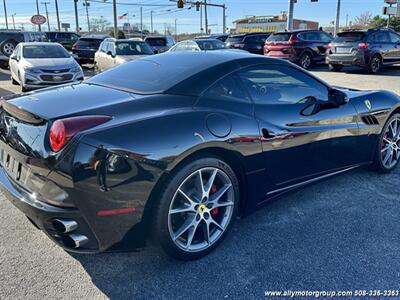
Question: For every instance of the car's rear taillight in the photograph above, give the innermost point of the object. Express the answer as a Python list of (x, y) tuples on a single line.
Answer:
[(293, 40), (75, 46), (330, 46), (363, 45), (63, 130)]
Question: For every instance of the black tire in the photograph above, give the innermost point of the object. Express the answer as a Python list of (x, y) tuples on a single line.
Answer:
[(375, 64), (162, 228), (4, 64), (305, 60), (379, 157), (7, 47), (335, 68), (13, 81)]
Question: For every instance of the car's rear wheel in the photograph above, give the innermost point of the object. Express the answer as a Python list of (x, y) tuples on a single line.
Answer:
[(375, 64), (335, 68), (387, 155), (197, 208), (305, 60)]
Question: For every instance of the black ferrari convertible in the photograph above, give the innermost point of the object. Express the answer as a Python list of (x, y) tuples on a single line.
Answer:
[(176, 146)]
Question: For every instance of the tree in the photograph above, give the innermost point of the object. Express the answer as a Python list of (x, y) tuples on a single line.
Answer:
[(363, 20), (379, 22), (99, 24), (121, 34)]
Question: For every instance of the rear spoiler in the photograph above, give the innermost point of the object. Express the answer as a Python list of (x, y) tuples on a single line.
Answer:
[(19, 113)]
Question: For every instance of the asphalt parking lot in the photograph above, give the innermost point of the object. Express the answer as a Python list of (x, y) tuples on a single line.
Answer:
[(339, 234)]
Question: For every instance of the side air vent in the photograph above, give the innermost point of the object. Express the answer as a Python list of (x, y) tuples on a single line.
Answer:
[(370, 120)]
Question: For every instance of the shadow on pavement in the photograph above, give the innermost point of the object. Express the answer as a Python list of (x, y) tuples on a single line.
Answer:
[(329, 236), (385, 71)]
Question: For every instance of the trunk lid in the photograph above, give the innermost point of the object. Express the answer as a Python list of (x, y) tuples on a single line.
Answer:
[(25, 119), (347, 42)]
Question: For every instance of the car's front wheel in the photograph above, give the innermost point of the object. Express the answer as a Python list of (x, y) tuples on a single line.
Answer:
[(197, 208), (387, 154)]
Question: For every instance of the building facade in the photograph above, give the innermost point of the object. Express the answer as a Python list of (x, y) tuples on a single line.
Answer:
[(270, 24)]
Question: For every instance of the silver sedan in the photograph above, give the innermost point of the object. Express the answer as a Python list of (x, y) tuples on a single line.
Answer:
[(37, 65)]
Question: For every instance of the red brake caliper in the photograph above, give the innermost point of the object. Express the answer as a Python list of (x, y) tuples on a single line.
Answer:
[(214, 211)]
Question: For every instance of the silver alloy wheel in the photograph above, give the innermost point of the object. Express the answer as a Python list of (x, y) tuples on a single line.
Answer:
[(8, 48), (390, 144), (201, 209), (375, 64), (306, 61)]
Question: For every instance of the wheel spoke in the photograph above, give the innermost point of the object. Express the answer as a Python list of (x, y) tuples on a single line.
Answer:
[(222, 204), (203, 192), (210, 182), (189, 222), (212, 221), (388, 155), (192, 232), (385, 139), (182, 210), (385, 149), (218, 194), (206, 231), (187, 197)]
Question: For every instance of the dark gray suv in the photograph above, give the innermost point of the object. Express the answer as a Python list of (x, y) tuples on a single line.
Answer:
[(371, 49), (9, 39)]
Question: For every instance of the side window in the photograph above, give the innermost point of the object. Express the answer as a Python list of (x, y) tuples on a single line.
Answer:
[(102, 47), (227, 89), (270, 84), (395, 38), (192, 46), (324, 37), (383, 37)]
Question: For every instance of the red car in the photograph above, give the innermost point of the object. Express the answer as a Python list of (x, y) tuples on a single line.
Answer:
[(303, 47)]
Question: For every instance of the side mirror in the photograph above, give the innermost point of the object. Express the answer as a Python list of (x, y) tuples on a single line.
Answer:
[(14, 57), (155, 51), (337, 97), (111, 54)]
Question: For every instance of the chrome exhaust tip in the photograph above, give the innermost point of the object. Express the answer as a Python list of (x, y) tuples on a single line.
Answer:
[(64, 226), (75, 240)]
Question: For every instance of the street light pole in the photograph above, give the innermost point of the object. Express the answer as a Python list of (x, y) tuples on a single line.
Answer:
[(87, 14), (115, 19), (76, 16), (289, 18), (5, 12), (176, 29), (13, 15), (337, 21), (205, 16), (47, 14), (224, 18), (141, 22), (38, 12), (58, 16), (151, 21)]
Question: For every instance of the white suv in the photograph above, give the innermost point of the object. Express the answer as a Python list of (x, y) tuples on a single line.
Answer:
[(113, 52)]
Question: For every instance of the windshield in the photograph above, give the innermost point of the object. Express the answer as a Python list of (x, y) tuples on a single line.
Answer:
[(132, 48), (279, 37), (156, 42), (210, 45), (234, 39), (89, 43), (349, 37), (45, 51)]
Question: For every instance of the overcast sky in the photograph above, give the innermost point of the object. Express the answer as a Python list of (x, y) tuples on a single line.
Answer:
[(188, 20)]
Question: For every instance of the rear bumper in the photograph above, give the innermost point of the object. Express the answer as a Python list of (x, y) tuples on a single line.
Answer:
[(347, 60), (104, 232), (42, 215)]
